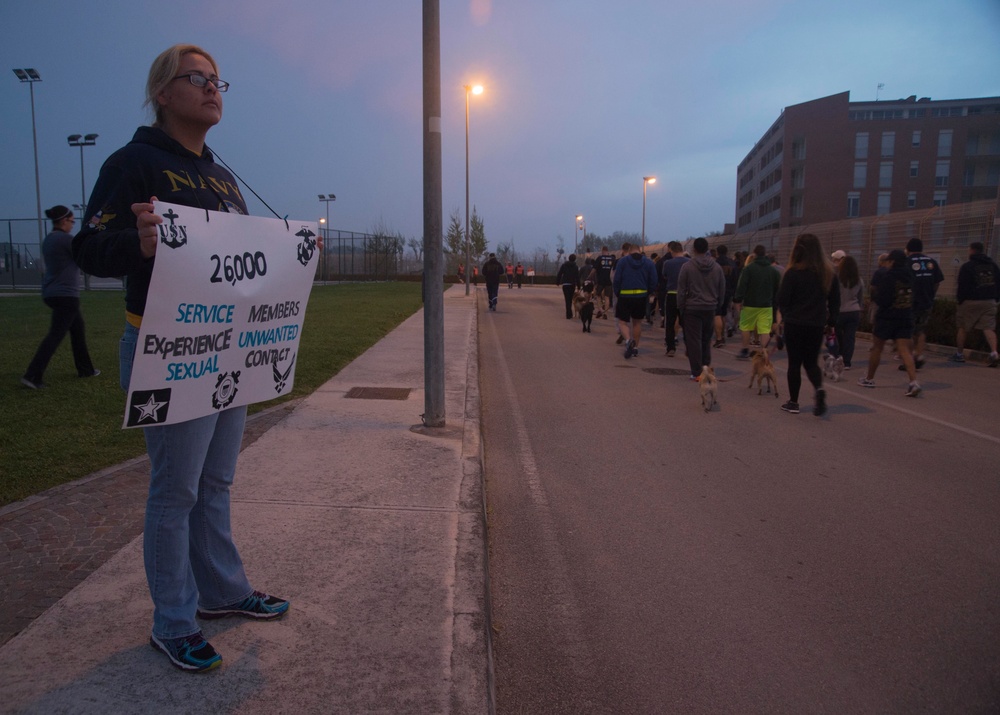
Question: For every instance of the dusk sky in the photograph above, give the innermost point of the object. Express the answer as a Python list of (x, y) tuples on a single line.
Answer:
[(582, 98)]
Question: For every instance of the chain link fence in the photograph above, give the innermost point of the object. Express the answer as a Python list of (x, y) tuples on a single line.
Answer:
[(346, 256)]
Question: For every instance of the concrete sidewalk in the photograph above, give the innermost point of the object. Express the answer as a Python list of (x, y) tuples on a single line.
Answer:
[(372, 526)]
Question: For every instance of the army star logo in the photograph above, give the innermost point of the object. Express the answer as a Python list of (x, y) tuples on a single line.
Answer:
[(148, 407)]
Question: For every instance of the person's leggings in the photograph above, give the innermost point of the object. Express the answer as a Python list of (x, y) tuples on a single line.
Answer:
[(803, 343)]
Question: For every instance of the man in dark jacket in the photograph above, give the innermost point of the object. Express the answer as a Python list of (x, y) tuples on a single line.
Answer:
[(492, 272), (977, 296)]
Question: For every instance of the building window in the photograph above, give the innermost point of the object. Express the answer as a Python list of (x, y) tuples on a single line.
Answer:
[(798, 179), (993, 175), (853, 204), (799, 149), (940, 198), (883, 203), (916, 137), (861, 145), (941, 172), (969, 178), (885, 175), (888, 143), (796, 206), (860, 175), (911, 200), (944, 142), (914, 169)]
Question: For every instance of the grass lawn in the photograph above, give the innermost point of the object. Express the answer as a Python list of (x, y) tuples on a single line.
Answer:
[(72, 427)]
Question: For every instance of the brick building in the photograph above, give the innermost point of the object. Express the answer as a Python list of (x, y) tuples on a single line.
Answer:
[(832, 159)]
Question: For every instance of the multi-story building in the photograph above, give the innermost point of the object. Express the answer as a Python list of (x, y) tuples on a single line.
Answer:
[(832, 159)]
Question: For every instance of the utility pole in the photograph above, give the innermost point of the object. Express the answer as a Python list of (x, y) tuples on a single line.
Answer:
[(433, 251)]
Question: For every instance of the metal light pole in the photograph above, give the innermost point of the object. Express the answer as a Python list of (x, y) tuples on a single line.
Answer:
[(326, 198), (580, 223), (434, 411), (82, 141), (645, 180), (31, 76), (474, 89)]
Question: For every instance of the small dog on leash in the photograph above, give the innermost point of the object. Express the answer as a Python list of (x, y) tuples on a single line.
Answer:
[(762, 372), (833, 368), (709, 388), (578, 300)]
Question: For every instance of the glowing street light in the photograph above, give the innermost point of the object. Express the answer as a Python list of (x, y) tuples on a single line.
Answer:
[(473, 89), (31, 76), (645, 180), (580, 223)]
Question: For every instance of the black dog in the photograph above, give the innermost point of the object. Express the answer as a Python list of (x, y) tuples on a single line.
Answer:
[(587, 315)]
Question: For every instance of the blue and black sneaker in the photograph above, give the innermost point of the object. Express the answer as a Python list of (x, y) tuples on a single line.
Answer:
[(256, 605), (191, 653)]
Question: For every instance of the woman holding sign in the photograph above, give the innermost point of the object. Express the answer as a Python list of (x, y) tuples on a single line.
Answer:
[(192, 566)]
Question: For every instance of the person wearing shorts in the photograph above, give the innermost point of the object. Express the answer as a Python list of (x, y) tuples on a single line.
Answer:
[(634, 283), (927, 276), (755, 295), (892, 289), (977, 296), (603, 264)]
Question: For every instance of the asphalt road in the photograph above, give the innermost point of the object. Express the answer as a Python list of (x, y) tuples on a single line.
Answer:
[(647, 557)]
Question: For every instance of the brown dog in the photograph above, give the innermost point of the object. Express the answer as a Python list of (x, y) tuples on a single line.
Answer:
[(763, 371), (709, 388)]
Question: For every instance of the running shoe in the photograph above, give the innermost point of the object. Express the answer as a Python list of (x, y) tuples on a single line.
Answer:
[(819, 409), (620, 340), (671, 353), (630, 349), (957, 357), (865, 382), (743, 354), (912, 390), (256, 605), (192, 653), (28, 382), (719, 344), (792, 407), (994, 360)]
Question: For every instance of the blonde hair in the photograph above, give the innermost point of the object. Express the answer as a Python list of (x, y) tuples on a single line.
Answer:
[(162, 72)]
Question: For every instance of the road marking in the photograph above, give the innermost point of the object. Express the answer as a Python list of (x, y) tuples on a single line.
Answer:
[(563, 612), (918, 415)]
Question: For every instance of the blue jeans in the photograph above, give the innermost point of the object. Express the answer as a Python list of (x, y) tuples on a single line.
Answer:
[(188, 547), (847, 330)]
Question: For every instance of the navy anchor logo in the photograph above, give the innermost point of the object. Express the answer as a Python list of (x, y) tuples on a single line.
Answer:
[(177, 234)]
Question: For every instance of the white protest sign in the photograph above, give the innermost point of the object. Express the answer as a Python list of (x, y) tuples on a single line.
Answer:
[(223, 314)]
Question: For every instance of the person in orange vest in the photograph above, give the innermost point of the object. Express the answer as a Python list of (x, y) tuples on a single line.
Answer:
[(510, 276), (519, 272), (475, 276)]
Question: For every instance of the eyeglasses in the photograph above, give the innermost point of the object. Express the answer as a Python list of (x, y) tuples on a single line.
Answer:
[(201, 80)]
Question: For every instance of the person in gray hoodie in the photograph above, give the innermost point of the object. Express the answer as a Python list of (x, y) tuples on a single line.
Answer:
[(701, 290)]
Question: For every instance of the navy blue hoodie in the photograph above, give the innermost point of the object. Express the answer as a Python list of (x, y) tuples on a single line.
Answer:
[(152, 164)]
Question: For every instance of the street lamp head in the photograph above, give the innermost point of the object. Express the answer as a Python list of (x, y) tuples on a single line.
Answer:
[(90, 137), (74, 137), (477, 89), (28, 75), (649, 179)]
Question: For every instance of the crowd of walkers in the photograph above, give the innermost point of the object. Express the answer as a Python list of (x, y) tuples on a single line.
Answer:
[(813, 302)]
